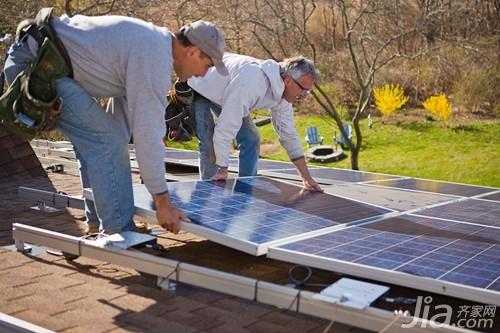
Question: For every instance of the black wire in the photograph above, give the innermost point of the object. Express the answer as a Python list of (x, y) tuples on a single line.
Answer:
[(303, 282), (299, 282)]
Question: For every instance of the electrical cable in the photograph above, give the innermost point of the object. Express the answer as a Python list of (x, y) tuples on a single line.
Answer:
[(332, 321), (303, 282), (296, 298)]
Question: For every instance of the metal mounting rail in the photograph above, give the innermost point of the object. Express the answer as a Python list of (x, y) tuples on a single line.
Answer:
[(57, 200), (248, 288), (14, 325)]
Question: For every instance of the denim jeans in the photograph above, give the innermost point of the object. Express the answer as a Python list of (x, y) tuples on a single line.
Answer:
[(100, 146), (248, 139)]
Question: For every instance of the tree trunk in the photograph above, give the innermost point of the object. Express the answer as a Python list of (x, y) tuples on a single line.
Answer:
[(355, 159), (355, 148)]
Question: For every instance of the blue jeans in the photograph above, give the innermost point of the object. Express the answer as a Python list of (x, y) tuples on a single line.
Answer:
[(100, 145), (248, 139)]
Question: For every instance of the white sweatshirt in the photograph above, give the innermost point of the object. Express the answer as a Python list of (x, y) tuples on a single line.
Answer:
[(251, 84)]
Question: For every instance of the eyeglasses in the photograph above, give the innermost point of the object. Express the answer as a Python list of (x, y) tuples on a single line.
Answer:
[(305, 91)]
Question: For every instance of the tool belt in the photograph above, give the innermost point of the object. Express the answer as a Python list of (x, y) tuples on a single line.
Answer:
[(178, 115), (31, 103)]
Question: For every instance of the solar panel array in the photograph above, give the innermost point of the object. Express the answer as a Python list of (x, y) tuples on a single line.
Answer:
[(431, 235), (258, 210), (441, 250)]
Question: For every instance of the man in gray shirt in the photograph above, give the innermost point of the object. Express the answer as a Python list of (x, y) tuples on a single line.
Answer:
[(130, 62)]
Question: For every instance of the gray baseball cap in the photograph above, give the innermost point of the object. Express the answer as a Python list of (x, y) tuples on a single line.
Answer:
[(208, 38)]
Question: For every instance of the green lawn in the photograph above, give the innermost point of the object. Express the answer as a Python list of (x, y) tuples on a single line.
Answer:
[(459, 153)]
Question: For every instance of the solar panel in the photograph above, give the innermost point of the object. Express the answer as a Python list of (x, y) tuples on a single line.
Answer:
[(451, 258), (330, 175), (494, 196), (477, 211), (426, 185), (190, 158), (274, 165), (181, 157), (251, 213), (175, 156), (390, 198), (181, 154), (263, 164)]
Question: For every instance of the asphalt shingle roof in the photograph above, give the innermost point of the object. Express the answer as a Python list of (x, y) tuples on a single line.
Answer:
[(87, 295)]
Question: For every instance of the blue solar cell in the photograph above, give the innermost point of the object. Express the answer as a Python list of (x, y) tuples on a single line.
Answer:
[(219, 226), (492, 255), (495, 286), (302, 247), (334, 253), (484, 262), (378, 262), (449, 251), (411, 247), (470, 280), (360, 250), (388, 254), (259, 238), (428, 262), (426, 271), (442, 257)]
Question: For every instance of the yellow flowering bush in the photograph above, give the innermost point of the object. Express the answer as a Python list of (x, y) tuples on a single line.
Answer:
[(438, 106), (389, 98)]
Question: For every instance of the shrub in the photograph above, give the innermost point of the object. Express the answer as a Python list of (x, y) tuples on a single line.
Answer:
[(344, 113), (438, 106), (389, 98), (477, 90)]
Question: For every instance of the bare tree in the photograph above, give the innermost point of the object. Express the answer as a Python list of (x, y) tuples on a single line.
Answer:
[(375, 33), (352, 41)]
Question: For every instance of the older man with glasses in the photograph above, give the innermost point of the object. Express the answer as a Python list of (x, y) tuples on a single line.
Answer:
[(251, 84)]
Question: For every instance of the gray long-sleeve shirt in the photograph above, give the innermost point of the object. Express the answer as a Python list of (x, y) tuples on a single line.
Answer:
[(131, 61)]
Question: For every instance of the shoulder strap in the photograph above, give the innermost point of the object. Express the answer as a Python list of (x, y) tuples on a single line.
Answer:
[(2, 82), (42, 21), (44, 15)]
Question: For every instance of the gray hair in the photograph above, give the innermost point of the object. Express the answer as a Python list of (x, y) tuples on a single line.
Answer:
[(297, 67)]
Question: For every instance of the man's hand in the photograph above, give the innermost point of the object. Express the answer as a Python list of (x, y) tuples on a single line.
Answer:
[(308, 182), (167, 214), (311, 185), (221, 174)]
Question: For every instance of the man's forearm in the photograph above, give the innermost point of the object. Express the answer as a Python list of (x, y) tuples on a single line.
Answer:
[(301, 166)]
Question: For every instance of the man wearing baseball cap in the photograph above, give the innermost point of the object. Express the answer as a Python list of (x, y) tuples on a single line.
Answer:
[(130, 62)]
